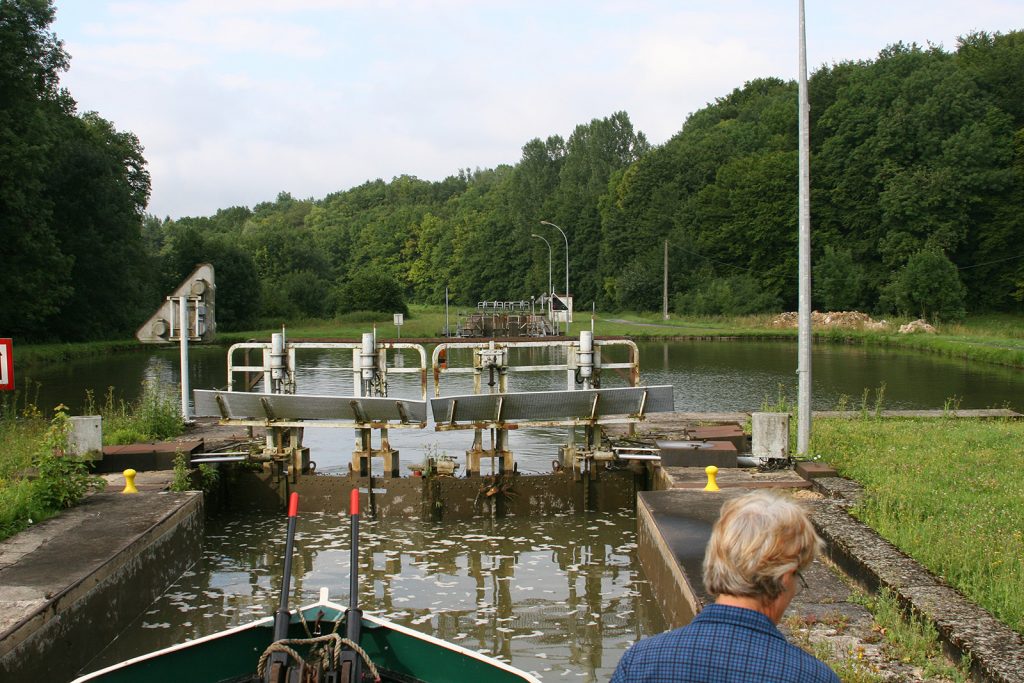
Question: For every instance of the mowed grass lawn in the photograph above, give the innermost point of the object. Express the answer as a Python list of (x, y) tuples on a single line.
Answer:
[(948, 491)]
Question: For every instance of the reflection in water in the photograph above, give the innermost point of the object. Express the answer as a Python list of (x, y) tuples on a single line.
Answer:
[(558, 596)]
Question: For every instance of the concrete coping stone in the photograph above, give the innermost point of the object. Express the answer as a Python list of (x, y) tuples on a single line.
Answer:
[(996, 651)]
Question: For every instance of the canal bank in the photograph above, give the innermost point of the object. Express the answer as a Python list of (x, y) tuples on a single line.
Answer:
[(70, 585), (674, 522)]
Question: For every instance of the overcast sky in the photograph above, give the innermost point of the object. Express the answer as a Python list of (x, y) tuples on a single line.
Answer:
[(237, 100)]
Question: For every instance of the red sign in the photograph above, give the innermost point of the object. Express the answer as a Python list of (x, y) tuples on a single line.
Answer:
[(6, 365)]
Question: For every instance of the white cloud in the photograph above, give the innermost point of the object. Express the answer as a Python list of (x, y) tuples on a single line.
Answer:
[(236, 100)]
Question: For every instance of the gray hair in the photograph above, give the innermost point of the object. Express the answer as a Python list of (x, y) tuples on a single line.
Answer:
[(758, 539)]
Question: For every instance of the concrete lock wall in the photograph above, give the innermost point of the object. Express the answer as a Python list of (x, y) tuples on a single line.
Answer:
[(769, 435), (75, 622)]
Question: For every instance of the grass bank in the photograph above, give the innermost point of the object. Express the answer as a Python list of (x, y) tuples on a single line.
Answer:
[(38, 479), (997, 339), (946, 491), (27, 355)]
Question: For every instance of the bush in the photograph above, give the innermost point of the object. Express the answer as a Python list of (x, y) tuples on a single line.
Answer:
[(840, 283), (62, 480), (370, 290), (928, 287), (737, 295), (204, 478), (31, 443), (299, 294), (639, 286)]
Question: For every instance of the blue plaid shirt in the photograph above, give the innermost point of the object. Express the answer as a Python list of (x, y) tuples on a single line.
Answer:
[(722, 644)]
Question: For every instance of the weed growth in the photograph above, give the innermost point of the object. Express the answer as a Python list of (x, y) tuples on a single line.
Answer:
[(781, 404), (181, 479), (913, 640), (37, 477), (184, 477), (154, 416)]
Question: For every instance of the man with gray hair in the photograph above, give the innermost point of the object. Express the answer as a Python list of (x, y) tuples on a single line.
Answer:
[(758, 547)]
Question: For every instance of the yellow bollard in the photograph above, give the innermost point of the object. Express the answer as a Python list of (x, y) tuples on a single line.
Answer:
[(712, 472), (129, 482)]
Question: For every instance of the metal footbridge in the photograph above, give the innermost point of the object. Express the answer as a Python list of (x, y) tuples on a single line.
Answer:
[(284, 413)]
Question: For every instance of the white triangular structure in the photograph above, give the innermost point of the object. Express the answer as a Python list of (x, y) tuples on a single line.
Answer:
[(197, 290), (187, 315)]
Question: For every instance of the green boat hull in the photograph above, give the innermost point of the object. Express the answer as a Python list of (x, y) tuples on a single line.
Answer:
[(399, 653)]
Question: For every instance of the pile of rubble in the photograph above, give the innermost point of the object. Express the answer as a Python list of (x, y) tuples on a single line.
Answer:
[(918, 325), (848, 319)]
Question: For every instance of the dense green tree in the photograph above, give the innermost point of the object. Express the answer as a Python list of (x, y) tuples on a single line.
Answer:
[(748, 221), (72, 194), (594, 152), (839, 281), (35, 279), (928, 287), (369, 289), (427, 253), (238, 286), (98, 190), (994, 62), (639, 286)]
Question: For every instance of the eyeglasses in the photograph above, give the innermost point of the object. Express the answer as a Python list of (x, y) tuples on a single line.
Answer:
[(803, 582)]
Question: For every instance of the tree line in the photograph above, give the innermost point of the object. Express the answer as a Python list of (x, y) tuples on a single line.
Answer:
[(917, 176), (73, 192)]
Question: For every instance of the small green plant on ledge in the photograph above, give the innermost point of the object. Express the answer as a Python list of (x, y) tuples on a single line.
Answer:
[(182, 480)]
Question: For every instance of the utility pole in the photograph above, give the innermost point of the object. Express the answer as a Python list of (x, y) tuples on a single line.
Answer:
[(564, 237), (664, 288), (803, 433)]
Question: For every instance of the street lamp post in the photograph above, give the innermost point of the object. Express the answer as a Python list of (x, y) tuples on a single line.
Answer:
[(566, 271), (540, 237)]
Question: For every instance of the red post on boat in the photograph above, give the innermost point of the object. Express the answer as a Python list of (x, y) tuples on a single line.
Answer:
[(278, 664), (353, 574), (351, 663)]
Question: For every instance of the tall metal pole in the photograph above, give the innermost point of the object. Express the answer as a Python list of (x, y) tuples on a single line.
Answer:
[(803, 434), (566, 272), (183, 345)]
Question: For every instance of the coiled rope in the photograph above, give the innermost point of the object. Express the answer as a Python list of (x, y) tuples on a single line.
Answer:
[(325, 659)]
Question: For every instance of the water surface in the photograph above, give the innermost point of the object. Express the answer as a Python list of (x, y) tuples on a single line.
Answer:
[(561, 596)]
